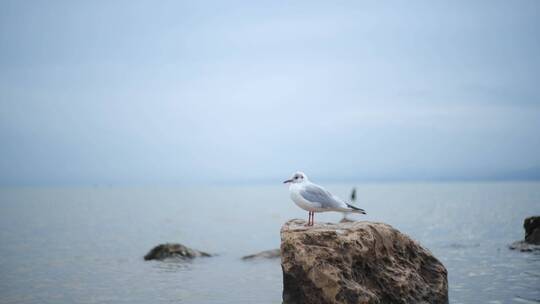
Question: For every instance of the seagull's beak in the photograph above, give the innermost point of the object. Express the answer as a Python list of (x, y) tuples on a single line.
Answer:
[(287, 181)]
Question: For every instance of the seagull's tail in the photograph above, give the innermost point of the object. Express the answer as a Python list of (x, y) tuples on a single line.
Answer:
[(356, 209)]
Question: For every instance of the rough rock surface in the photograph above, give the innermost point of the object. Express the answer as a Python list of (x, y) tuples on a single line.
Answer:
[(267, 254), (359, 262), (532, 230), (164, 251), (532, 236)]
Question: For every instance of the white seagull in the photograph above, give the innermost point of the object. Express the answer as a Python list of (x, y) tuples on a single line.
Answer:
[(314, 198)]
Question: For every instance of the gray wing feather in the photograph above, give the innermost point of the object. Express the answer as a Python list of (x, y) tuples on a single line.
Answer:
[(316, 194)]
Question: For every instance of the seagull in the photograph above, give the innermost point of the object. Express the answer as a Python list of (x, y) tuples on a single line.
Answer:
[(314, 198)]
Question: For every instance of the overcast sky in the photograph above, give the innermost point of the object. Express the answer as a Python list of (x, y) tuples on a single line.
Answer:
[(96, 92)]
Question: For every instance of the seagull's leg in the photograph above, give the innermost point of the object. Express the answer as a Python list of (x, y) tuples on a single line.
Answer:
[(309, 218), (312, 218)]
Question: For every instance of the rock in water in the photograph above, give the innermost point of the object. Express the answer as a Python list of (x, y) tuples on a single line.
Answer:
[(267, 254), (524, 246), (532, 236), (532, 230), (164, 251), (359, 262)]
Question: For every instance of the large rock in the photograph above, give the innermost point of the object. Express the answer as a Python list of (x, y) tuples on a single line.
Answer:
[(164, 251), (359, 262), (532, 236), (532, 230)]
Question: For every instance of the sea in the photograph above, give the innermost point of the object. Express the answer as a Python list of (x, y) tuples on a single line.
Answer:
[(86, 244)]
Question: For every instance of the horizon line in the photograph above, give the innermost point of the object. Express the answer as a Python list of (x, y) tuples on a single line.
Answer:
[(268, 181)]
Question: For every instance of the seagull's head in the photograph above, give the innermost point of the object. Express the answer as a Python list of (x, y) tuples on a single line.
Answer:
[(297, 177)]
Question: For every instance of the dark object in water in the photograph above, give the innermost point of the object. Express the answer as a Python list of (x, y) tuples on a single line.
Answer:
[(164, 251), (524, 246), (345, 219), (267, 254), (360, 262), (532, 230), (532, 236)]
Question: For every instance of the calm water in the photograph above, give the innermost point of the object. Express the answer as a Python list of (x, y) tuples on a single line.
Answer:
[(85, 245)]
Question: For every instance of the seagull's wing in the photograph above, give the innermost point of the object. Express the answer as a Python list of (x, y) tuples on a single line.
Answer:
[(317, 194)]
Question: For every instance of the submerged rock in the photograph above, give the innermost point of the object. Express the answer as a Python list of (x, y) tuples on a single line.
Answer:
[(532, 236), (524, 246), (164, 251), (359, 262), (267, 254)]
